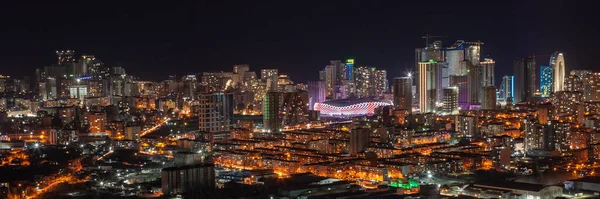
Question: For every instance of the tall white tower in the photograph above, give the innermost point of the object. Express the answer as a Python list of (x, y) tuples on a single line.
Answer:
[(557, 63)]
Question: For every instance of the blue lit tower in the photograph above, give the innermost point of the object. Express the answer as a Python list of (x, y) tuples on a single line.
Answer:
[(507, 88), (350, 68), (546, 83)]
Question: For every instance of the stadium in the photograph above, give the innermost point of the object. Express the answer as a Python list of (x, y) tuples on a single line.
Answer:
[(350, 107)]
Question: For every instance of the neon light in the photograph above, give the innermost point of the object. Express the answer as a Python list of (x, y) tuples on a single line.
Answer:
[(364, 108), (512, 87)]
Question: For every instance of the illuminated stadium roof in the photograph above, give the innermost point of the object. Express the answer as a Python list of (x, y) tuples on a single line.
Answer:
[(350, 106)]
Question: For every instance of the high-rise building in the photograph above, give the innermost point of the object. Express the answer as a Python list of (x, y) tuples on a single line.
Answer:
[(239, 72), (402, 89), (487, 71), (591, 87), (442, 80), (330, 80), (269, 77), (488, 100), (546, 82), (350, 69), (65, 56), (507, 88), (182, 179), (427, 91), (316, 93), (335, 76), (272, 111), (215, 111), (363, 81), (474, 83), (359, 139), (525, 83), (464, 97), (557, 63), (450, 100), (381, 82), (466, 126), (294, 108), (574, 82)]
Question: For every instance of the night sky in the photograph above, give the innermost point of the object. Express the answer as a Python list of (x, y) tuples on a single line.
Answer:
[(152, 39)]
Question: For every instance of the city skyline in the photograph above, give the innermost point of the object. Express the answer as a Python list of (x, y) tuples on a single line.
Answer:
[(357, 99), (184, 40)]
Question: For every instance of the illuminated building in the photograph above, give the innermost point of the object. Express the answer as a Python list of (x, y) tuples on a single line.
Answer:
[(65, 56), (215, 112), (450, 100), (269, 78), (546, 83), (381, 82), (536, 136), (132, 132), (350, 69), (562, 135), (507, 88), (464, 97), (488, 99), (350, 107), (363, 81), (487, 71), (466, 126), (557, 65), (316, 93), (474, 83), (271, 111), (178, 180), (566, 103), (294, 108), (239, 72), (330, 79), (97, 122), (432, 52), (427, 91), (525, 83), (283, 81), (78, 92), (402, 89), (574, 82), (591, 87)]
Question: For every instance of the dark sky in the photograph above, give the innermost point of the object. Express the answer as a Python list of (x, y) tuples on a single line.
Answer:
[(154, 38)]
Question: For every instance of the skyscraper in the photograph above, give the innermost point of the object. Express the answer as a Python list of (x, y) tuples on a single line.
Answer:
[(215, 112), (450, 100), (474, 83), (271, 111), (488, 100), (546, 82), (350, 69), (402, 88), (525, 83), (557, 63), (426, 84), (316, 93), (507, 88), (464, 97), (269, 77), (380, 82), (431, 52), (487, 71)]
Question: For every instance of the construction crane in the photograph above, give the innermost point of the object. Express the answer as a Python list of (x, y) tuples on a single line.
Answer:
[(427, 36)]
